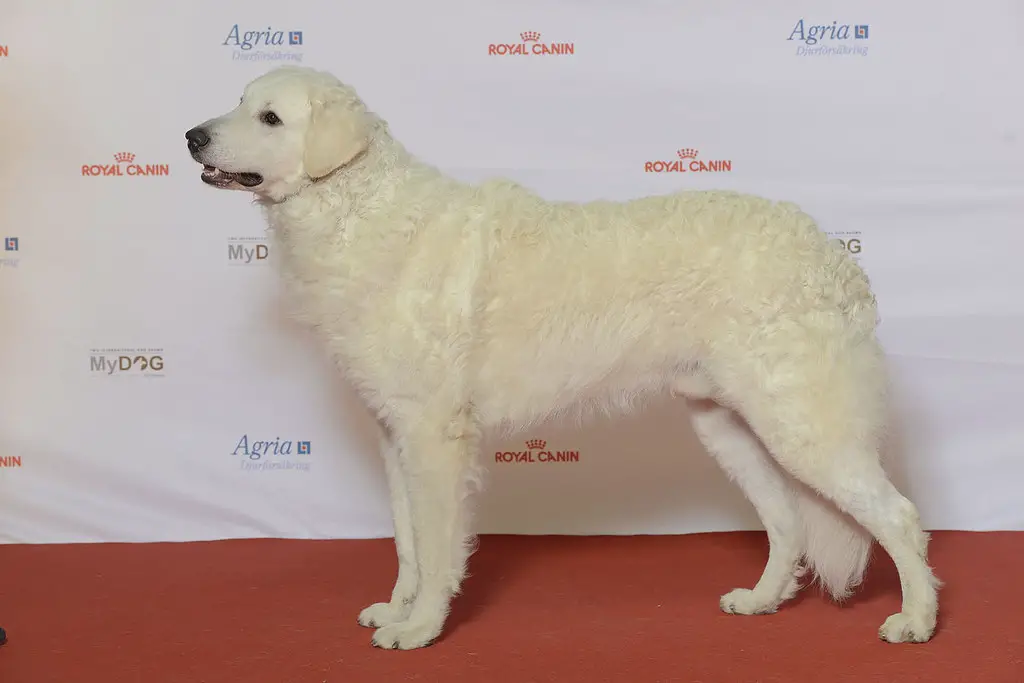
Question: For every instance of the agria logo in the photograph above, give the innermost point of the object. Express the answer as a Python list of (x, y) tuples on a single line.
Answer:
[(833, 39), (530, 44), (270, 45), (124, 165), (9, 259), (273, 455)]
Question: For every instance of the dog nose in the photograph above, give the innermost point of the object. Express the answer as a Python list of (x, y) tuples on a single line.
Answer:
[(197, 139)]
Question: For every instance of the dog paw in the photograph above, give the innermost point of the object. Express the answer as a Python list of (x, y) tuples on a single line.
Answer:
[(906, 628), (746, 601), (384, 614), (407, 635), (795, 584)]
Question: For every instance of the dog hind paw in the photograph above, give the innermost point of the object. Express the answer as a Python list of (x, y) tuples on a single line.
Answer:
[(906, 628), (746, 601)]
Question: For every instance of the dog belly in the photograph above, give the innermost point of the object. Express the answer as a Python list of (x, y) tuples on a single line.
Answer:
[(530, 384)]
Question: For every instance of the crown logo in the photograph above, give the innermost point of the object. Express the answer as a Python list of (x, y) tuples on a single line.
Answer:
[(536, 443), (529, 35), (687, 153), (122, 157)]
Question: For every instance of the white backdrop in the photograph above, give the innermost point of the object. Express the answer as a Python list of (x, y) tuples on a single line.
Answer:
[(901, 130)]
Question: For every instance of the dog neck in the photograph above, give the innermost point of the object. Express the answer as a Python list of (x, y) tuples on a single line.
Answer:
[(361, 194)]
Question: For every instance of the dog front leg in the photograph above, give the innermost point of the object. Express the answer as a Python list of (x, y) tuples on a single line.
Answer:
[(437, 461), (384, 613)]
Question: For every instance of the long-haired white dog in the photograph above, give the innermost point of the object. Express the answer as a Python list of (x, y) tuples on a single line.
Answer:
[(457, 308)]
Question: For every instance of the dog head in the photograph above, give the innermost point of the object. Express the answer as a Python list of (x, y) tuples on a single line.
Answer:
[(292, 126)]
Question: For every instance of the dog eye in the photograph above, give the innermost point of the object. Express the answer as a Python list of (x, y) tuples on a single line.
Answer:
[(270, 118)]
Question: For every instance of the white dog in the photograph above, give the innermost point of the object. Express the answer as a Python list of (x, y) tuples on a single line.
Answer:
[(455, 308)]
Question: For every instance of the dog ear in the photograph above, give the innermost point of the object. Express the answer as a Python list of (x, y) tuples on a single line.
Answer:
[(336, 135)]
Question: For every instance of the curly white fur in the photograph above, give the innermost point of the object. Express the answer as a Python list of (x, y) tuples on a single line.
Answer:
[(455, 309)]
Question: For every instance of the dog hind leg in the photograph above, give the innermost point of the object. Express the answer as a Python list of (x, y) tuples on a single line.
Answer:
[(746, 462), (824, 433), (861, 489)]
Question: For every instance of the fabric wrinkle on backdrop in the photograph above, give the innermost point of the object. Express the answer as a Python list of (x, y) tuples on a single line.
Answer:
[(152, 388)]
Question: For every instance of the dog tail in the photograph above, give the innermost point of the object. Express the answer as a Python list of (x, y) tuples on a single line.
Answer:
[(836, 548)]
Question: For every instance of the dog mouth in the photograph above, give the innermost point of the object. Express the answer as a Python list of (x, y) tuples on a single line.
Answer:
[(218, 178)]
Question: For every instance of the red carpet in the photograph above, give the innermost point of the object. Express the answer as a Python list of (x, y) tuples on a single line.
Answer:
[(536, 609)]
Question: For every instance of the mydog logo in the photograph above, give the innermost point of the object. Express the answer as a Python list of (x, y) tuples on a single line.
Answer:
[(268, 45), (127, 362), (124, 165), (247, 251), (10, 461), (830, 39), (536, 451), (686, 161), (849, 240), (529, 45), (272, 455), (3, 50)]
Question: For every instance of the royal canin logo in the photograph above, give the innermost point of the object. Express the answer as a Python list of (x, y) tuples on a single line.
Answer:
[(531, 45)]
